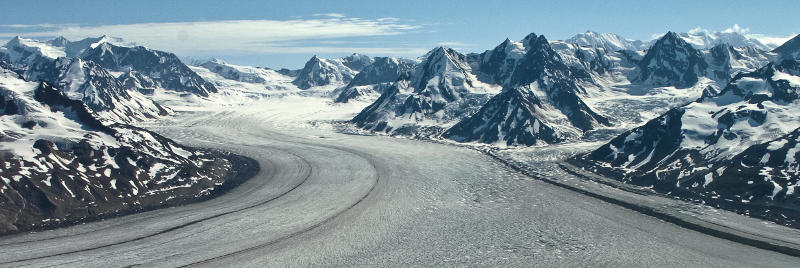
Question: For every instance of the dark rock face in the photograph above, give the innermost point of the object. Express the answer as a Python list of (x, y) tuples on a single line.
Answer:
[(510, 117), (517, 116), (165, 69), (84, 183), (97, 88), (790, 49), (98, 170), (58, 101), (499, 63), (672, 62), (445, 80), (440, 89), (713, 149), (542, 65), (370, 117)]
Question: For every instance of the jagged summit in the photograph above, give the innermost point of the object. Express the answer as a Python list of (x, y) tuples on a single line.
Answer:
[(336, 72), (509, 118), (671, 61), (541, 101)]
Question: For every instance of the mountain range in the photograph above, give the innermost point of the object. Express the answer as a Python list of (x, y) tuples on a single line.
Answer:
[(705, 117)]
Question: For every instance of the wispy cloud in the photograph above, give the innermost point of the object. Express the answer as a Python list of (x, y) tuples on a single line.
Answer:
[(234, 36), (332, 15)]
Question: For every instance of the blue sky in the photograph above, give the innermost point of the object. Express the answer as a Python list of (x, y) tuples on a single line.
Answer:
[(286, 33)]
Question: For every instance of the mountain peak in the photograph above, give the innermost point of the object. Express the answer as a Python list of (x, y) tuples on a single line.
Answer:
[(671, 61), (790, 49), (60, 41), (670, 35), (529, 37), (671, 39), (439, 51), (16, 41)]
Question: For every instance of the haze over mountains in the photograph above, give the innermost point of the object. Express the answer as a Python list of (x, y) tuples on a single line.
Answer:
[(687, 113)]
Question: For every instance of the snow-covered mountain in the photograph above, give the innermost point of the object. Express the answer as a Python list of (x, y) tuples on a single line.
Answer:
[(553, 83), (706, 40), (103, 93), (323, 72), (372, 79), (725, 61), (541, 101), (62, 165), (163, 68), (706, 150), (671, 61), (80, 79), (440, 91), (35, 59), (29, 57), (699, 39), (240, 73), (606, 41), (590, 64)]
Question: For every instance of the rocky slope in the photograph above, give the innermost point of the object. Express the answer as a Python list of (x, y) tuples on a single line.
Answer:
[(672, 62), (61, 165), (438, 92), (162, 68), (541, 101), (373, 79), (790, 49), (322, 72), (707, 150)]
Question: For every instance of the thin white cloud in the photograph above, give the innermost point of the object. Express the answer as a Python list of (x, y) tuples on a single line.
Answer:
[(736, 29), (331, 15), (231, 36)]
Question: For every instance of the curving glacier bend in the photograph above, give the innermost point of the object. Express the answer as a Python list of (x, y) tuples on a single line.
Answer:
[(329, 199)]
